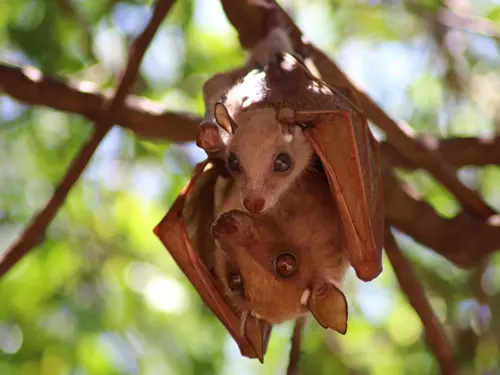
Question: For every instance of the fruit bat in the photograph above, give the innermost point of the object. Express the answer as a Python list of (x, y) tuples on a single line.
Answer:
[(339, 135), (276, 123), (278, 266), (260, 271)]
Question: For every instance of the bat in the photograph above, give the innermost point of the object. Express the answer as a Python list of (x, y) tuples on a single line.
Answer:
[(322, 258), (276, 121), (338, 133), (279, 266)]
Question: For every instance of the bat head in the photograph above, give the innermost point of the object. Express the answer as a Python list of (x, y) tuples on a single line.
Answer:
[(268, 274), (263, 156)]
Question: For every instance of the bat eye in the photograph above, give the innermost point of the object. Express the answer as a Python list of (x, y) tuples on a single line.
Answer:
[(282, 163), (235, 283), (285, 264), (233, 163)]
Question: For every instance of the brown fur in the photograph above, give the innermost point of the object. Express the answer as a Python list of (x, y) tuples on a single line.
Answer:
[(252, 105), (306, 224), (256, 145), (260, 55)]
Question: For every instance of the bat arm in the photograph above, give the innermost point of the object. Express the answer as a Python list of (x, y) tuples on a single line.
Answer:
[(202, 270), (355, 213)]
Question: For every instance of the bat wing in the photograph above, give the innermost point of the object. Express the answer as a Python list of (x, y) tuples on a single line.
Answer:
[(339, 133), (180, 229), (350, 156)]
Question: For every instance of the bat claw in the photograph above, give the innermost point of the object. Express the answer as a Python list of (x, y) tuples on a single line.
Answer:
[(225, 224)]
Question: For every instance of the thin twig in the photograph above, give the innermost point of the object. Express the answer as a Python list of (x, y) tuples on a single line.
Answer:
[(34, 232), (410, 285), (294, 358), (457, 151), (455, 60)]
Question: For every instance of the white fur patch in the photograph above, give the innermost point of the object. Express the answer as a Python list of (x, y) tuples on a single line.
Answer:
[(288, 138), (305, 297)]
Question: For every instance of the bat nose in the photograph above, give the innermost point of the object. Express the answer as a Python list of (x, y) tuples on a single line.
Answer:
[(254, 205)]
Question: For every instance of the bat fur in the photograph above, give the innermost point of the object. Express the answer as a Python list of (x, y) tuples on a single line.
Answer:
[(305, 224), (260, 139)]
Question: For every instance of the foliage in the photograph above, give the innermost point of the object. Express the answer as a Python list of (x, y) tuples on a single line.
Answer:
[(101, 295)]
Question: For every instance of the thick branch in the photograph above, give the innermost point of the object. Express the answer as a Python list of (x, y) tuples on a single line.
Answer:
[(463, 240), (35, 230), (408, 281), (253, 23), (142, 116), (457, 151)]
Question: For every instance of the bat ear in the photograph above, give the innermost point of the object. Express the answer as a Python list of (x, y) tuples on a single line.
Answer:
[(257, 332), (329, 307), (209, 137), (224, 119)]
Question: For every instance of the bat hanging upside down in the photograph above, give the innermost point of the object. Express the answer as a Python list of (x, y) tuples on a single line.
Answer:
[(271, 126), (285, 230), (292, 260)]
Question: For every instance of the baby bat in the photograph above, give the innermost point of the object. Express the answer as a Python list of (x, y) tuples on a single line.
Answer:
[(280, 265)]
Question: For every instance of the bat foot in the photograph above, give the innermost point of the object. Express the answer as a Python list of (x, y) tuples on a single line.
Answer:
[(226, 224)]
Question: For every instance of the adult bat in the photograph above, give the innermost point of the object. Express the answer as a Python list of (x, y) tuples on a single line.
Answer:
[(273, 120), (263, 270), (351, 166)]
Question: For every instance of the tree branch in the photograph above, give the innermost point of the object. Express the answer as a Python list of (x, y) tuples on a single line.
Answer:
[(253, 23), (410, 285), (142, 116), (34, 232), (457, 151), (294, 358), (463, 240)]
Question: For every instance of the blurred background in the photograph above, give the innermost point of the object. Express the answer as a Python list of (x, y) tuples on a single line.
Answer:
[(101, 295)]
